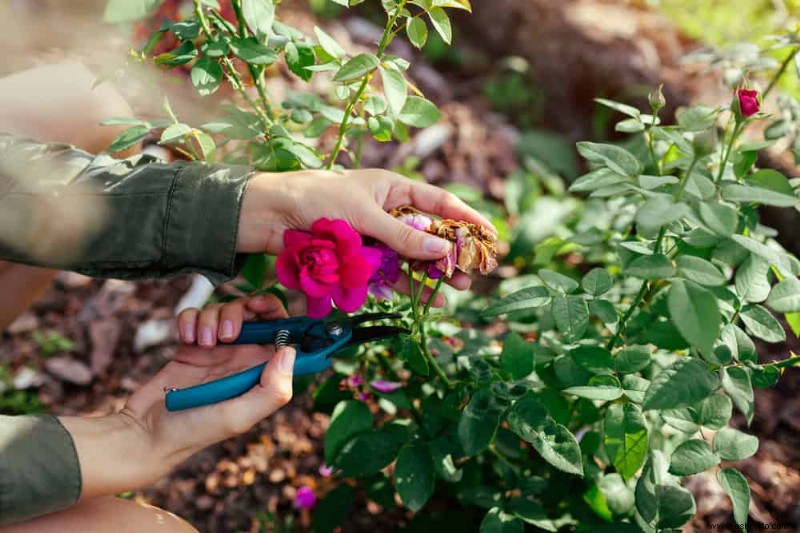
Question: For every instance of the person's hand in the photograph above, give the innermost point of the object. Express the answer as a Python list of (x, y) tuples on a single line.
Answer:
[(294, 200), (224, 321), (143, 442)]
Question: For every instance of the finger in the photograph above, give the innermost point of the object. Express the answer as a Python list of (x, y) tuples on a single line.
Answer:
[(231, 317), (460, 281), (434, 200), (402, 285), (207, 325), (187, 325), (267, 307), (404, 239), (273, 392)]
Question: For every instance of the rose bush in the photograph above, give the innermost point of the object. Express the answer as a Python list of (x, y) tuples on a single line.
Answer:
[(585, 391)]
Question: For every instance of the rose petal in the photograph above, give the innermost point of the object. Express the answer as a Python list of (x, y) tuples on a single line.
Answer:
[(313, 288), (293, 237), (318, 307), (349, 299)]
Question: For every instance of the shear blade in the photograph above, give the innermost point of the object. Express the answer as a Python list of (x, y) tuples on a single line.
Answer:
[(374, 333)]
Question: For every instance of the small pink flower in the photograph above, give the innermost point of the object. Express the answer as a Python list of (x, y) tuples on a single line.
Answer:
[(325, 470), (305, 498), (386, 274), (354, 381), (364, 396), (381, 385), (329, 264), (748, 102)]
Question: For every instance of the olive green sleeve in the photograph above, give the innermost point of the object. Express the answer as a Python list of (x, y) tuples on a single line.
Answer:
[(64, 208), (39, 468)]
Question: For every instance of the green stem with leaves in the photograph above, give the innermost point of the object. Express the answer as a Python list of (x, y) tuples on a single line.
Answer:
[(385, 41), (420, 321), (737, 129)]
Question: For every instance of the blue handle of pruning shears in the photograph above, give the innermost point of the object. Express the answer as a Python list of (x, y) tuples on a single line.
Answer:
[(259, 333)]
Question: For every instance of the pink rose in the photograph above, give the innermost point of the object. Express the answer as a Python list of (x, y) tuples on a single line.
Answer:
[(328, 264), (305, 498), (748, 102)]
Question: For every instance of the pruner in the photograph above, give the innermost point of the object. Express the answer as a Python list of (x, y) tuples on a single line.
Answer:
[(316, 341)]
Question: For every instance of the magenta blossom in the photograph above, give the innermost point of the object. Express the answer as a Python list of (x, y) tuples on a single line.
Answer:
[(381, 385), (386, 274), (305, 498), (329, 264), (363, 396), (354, 381), (748, 103)]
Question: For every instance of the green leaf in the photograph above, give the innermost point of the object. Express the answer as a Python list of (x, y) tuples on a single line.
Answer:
[(595, 359), (697, 118), (625, 438), (357, 67), (118, 11), (604, 310), (662, 504), (735, 486), (259, 15), (775, 257), (714, 412), (700, 271), (185, 53), (685, 382), (760, 323), (417, 31), (522, 300), (252, 51), (478, 422), (736, 382), (498, 521), (735, 192), (720, 218), (571, 315), (207, 146), (617, 493), (793, 319), (331, 512), (381, 128), (414, 476), (650, 267), (617, 159), (659, 211), (692, 457), (734, 445), (773, 180), (752, 279), (395, 89), (633, 359), (604, 388), (441, 23), (785, 296), (368, 453), (174, 132), (695, 313), (529, 419), (740, 344), (532, 513), (329, 44), (298, 58), (411, 352), (206, 76), (617, 106), (558, 282), (419, 112), (517, 356), (255, 270), (349, 418), (129, 137), (598, 281)]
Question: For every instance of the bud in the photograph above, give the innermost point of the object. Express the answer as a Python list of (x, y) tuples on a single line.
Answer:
[(746, 103), (656, 99), (704, 142)]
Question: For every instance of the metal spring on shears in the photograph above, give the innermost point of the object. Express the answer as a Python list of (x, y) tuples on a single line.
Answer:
[(282, 338)]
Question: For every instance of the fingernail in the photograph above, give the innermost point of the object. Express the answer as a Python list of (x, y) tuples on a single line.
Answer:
[(188, 333), (206, 337), (436, 245), (227, 329), (286, 361)]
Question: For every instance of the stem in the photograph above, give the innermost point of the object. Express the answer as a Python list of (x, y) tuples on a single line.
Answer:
[(781, 70), (256, 73), (386, 39), (682, 188), (624, 322), (728, 149), (651, 144)]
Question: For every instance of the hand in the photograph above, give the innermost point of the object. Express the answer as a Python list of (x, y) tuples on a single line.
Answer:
[(224, 321), (276, 202), (143, 442)]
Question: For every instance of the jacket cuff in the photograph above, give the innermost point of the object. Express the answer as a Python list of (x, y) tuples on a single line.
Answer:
[(39, 468), (202, 221)]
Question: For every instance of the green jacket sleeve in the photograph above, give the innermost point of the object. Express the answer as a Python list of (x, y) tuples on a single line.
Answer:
[(39, 469), (64, 208)]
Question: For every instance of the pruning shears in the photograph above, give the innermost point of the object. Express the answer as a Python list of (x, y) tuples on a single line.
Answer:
[(315, 340)]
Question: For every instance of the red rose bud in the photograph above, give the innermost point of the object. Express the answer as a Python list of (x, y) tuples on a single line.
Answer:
[(747, 102)]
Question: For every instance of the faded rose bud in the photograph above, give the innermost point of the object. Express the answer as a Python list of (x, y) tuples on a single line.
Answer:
[(747, 102), (656, 99)]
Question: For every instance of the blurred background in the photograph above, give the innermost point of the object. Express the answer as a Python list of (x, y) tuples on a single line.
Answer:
[(517, 90)]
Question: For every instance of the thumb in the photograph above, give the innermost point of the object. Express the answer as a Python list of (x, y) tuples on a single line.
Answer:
[(404, 239), (273, 392)]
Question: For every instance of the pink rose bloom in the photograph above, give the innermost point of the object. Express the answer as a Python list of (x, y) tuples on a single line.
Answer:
[(748, 102), (330, 265), (305, 498), (387, 273), (381, 385)]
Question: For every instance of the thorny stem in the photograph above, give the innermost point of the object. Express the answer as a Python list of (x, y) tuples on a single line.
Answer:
[(351, 103), (781, 70)]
